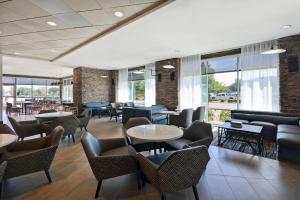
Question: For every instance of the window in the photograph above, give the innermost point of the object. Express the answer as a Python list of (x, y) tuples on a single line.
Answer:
[(136, 87), (223, 86), (67, 90)]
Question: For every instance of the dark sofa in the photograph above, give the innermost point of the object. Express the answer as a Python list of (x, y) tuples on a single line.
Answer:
[(280, 127), (152, 113), (98, 108)]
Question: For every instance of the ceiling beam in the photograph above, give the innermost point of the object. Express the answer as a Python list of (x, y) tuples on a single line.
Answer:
[(153, 7)]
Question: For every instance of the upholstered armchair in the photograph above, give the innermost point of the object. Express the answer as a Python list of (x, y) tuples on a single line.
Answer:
[(5, 129), (12, 109), (31, 156), (115, 113), (46, 120), (199, 114), (27, 128), (109, 158), (2, 171), (199, 133), (175, 170), (84, 118), (184, 119), (69, 123)]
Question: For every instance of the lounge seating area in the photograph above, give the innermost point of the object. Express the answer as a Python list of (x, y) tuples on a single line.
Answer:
[(149, 100)]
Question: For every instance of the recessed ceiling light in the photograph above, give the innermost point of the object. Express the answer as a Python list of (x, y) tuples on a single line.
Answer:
[(0, 32), (104, 76), (168, 67), (286, 26), (53, 50), (51, 23), (119, 14), (17, 53)]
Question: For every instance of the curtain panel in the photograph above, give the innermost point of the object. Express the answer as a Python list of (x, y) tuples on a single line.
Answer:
[(190, 93), (259, 81), (150, 90), (122, 94)]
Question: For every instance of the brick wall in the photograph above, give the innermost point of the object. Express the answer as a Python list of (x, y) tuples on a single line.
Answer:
[(167, 89), (88, 85), (289, 81)]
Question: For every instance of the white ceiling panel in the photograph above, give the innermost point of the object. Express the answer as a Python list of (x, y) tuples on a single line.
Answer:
[(114, 3), (7, 15), (80, 5), (100, 17), (52, 6), (72, 20)]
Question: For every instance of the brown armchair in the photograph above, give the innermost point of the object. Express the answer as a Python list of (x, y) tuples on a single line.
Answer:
[(184, 119), (27, 128), (2, 171), (84, 118), (69, 123), (31, 156), (109, 158), (199, 133), (173, 171)]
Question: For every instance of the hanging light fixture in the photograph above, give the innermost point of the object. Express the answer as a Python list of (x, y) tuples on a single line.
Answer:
[(274, 50)]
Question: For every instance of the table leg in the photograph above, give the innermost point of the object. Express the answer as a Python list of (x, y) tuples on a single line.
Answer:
[(220, 131)]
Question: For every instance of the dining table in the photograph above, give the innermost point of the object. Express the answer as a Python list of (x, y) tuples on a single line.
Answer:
[(52, 115), (155, 132)]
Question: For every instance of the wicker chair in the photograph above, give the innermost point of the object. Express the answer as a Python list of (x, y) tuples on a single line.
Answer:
[(27, 128), (31, 156), (184, 119), (109, 158), (199, 133), (199, 114), (84, 118), (2, 171), (69, 123), (174, 171)]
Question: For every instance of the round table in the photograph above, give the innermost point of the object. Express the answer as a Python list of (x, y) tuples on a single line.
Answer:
[(155, 132), (168, 113), (53, 115), (6, 139)]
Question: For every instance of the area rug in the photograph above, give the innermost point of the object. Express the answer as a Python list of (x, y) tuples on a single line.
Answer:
[(269, 149)]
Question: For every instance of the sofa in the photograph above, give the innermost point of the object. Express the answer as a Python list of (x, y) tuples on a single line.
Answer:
[(98, 108), (152, 113), (282, 128)]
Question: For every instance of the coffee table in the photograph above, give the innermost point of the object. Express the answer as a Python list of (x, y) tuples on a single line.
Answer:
[(248, 133)]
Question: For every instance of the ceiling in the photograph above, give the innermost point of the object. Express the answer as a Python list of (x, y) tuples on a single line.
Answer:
[(187, 27), (34, 67), (24, 30)]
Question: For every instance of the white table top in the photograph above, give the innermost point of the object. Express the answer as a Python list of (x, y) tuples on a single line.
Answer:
[(169, 112), (155, 132), (6, 139), (54, 114)]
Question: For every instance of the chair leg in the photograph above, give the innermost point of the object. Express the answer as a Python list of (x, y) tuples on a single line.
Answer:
[(48, 175), (195, 192), (41, 134), (163, 196), (98, 189), (73, 138), (85, 128)]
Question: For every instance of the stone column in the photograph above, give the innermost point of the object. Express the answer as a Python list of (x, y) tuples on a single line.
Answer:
[(1, 88)]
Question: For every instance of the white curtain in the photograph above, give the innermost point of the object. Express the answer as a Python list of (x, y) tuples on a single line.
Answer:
[(122, 94), (259, 85), (150, 94), (190, 82)]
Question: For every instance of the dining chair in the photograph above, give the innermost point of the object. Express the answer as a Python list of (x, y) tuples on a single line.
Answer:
[(184, 119), (84, 118), (109, 158), (31, 156), (12, 109), (175, 170), (199, 133), (27, 128)]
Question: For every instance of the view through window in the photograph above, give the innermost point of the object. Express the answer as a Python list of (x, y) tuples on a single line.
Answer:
[(136, 87)]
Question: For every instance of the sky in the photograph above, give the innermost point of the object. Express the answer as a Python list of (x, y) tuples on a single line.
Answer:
[(226, 78)]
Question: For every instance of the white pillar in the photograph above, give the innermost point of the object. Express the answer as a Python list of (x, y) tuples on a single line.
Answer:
[(1, 102)]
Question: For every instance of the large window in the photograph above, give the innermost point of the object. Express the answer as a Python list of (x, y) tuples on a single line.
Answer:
[(223, 86), (67, 90), (136, 86)]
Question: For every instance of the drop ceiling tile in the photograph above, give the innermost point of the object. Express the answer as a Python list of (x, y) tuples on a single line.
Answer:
[(7, 15), (11, 29), (53, 6), (25, 8), (72, 20), (142, 1), (8, 40), (30, 25), (99, 17), (43, 22), (113, 3), (79, 5)]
